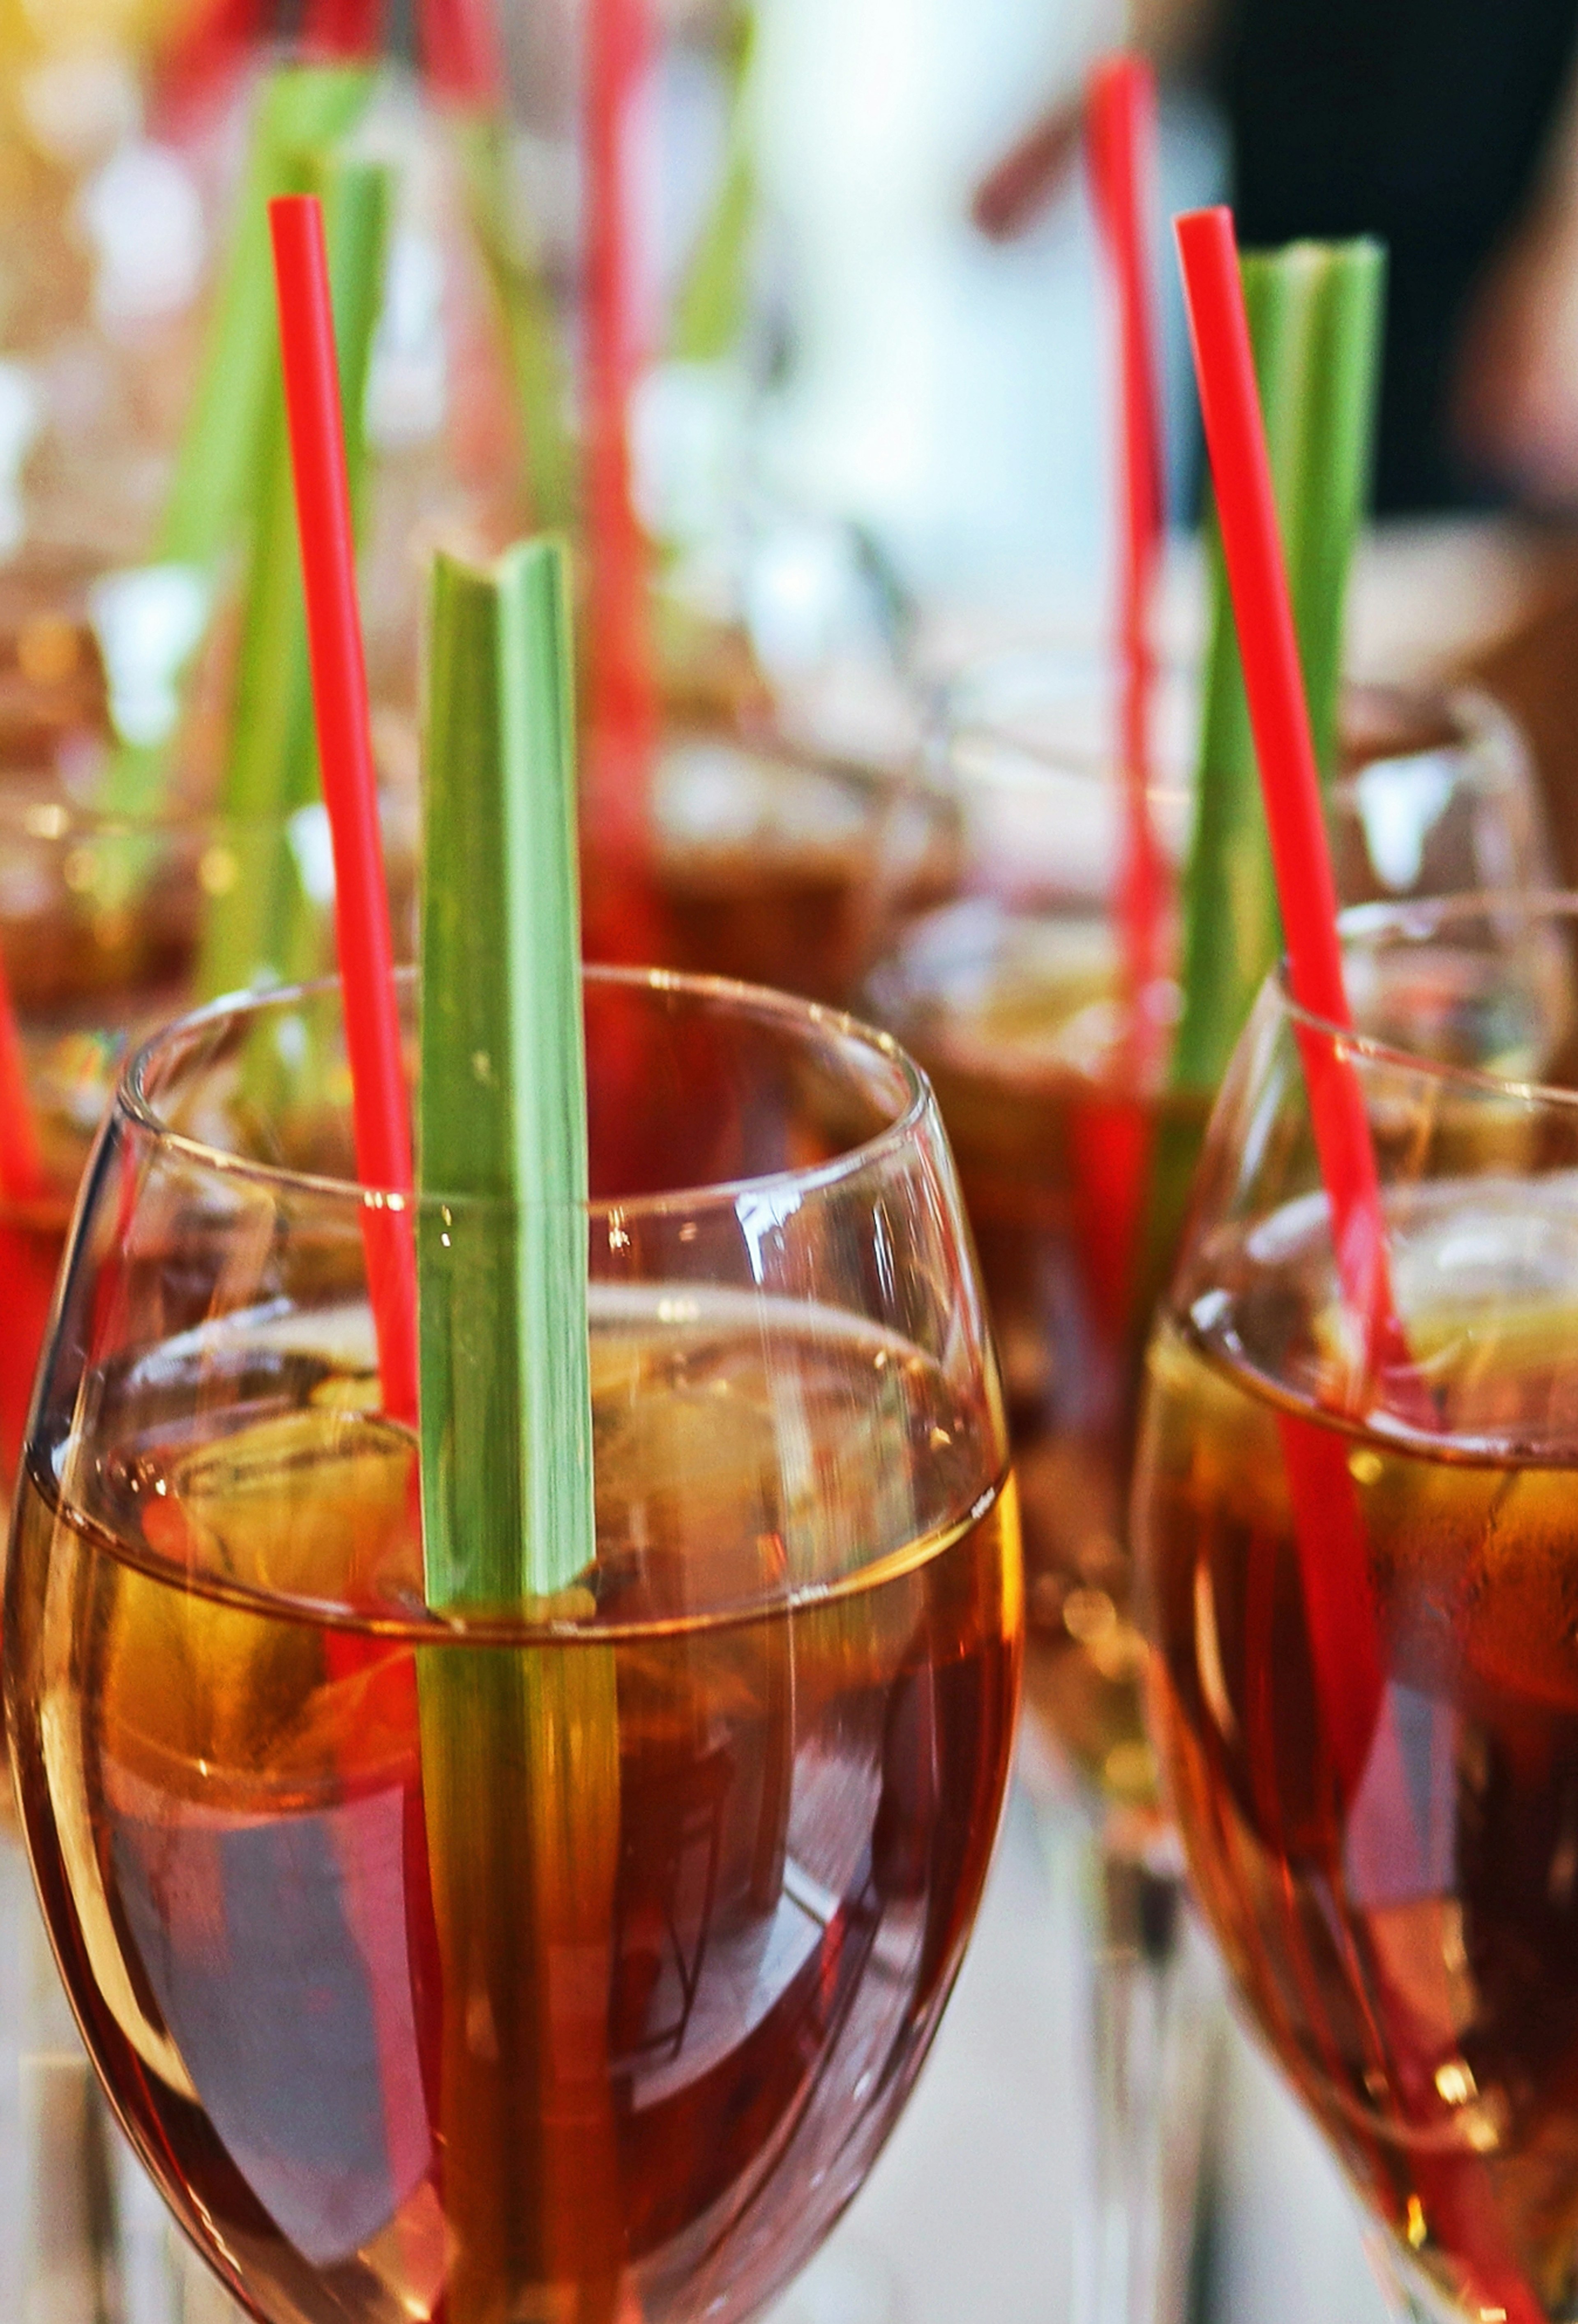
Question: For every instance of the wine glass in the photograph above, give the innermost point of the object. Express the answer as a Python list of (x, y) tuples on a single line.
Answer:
[(110, 924), (1358, 1582), (786, 865), (565, 1957), (1011, 993), (1052, 1085)]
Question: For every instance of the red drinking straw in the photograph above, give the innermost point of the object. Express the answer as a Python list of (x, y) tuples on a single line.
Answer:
[(1347, 1655), (460, 50), (208, 56), (353, 29), (226, 36), (345, 748), (1121, 147), (22, 1161), (621, 705), (379, 1110), (1246, 509)]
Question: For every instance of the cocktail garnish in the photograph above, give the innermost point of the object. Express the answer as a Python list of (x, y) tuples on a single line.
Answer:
[(458, 41), (1314, 318), (520, 1760), (304, 110), (507, 1456), (711, 307), (539, 362)]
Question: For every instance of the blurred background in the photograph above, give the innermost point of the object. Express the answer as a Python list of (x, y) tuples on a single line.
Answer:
[(791, 310), (913, 340)]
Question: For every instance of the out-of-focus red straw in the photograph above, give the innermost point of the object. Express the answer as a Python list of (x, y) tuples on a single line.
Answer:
[(622, 696), (219, 42), (209, 53), (349, 29), (1241, 472), (22, 1161), (460, 50), (345, 748), (1121, 146), (1348, 1658)]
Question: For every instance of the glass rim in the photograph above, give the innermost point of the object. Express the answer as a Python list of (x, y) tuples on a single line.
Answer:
[(133, 1102), (763, 736), (1413, 921), (1480, 720)]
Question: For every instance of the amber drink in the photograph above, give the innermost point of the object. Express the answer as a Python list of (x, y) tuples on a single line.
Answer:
[(572, 1957), (1360, 1582), (1053, 1075), (788, 867)]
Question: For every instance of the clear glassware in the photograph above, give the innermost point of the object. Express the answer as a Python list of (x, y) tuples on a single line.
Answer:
[(1357, 1582), (783, 865), (551, 317), (633, 2052), (1013, 995), (109, 926), (143, 495)]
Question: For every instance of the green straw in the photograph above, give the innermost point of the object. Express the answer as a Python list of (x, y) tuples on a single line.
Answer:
[(265, 928), (519, 1744), (505, 1369), (302, 109), (1315, 320), (1339, 459), (1314, 312), (536, 352), (710, 312)]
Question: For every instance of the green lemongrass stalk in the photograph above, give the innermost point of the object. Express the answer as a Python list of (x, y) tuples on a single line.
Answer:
[(711, 309), (519, 1744), (263, 929), (302, 108), (507, 1481), (537, 360), (1315, 320), (1339, 461), (1314, 312)]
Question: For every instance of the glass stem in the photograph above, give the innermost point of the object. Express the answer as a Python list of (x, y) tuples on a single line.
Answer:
[(1156, 2016)]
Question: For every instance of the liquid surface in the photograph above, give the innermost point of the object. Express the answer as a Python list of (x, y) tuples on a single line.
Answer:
[(534, 1980), (1075, 1163), (1366, 1693)]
